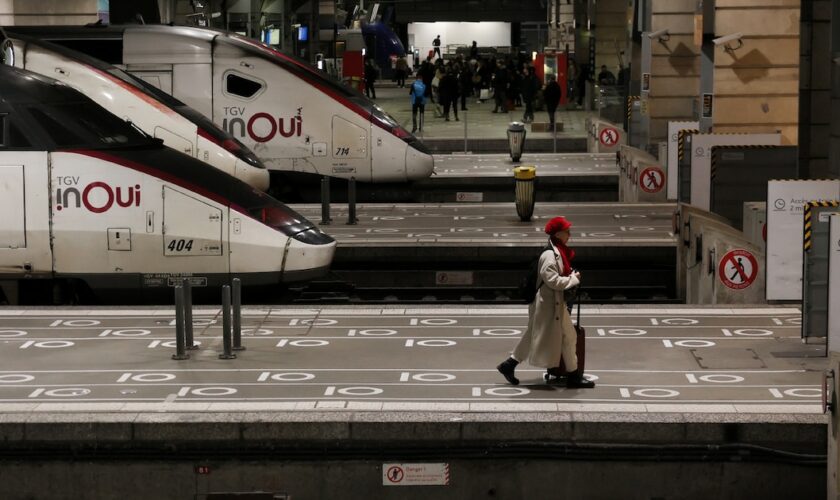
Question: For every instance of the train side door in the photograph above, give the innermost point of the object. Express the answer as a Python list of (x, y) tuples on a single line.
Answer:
[(349, 149), (193, 228), (387, 154)]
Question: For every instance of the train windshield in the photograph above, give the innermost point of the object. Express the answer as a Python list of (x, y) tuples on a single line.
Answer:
[(83, 124)]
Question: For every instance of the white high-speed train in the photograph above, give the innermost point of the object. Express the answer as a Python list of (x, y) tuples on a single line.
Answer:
[(86, 197), (156, 113), (292, 116)]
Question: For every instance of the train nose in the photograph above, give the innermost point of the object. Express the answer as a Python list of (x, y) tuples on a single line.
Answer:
[(256, 177), (309, 256), (418, 164)]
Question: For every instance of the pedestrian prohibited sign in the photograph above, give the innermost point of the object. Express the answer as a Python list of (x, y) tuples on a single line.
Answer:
[(608, 137), (652, 180), (738, 269)]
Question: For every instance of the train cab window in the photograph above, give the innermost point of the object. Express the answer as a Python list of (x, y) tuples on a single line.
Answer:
[(61, 135), (241, 86), (72, 124), (11, 136)]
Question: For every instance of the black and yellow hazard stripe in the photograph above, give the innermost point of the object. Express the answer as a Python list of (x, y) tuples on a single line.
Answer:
[(681, 141), (806, 243), (630, 100)]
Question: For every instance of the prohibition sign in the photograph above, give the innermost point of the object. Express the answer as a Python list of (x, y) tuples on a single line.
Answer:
[(738, 269), (652, 180), (608, 137), (395, 474)]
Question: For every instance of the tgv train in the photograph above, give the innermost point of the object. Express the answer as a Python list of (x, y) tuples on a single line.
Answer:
[(292, 116), (86, 197), (156, 113)]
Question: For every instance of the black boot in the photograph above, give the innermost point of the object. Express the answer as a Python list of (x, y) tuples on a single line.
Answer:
[(576, 381), (507, 368)]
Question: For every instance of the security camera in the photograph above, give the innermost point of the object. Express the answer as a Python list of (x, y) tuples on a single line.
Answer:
[(662, 35), (724, 40)]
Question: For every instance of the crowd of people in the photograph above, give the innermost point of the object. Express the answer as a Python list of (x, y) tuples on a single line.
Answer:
[(509, 83)]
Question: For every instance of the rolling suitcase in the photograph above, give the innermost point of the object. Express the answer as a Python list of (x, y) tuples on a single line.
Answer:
[(580, 332)]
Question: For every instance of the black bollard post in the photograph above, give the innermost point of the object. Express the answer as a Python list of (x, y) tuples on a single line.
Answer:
[(237, 315), (188, 316), (226, 340), (351, 202), (325, 200), (180, 341)]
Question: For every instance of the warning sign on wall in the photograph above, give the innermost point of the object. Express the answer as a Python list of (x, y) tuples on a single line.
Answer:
[(608, 137), (738, 269), (652, 180), (415, 474)]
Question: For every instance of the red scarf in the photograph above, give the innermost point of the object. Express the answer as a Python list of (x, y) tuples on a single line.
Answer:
[(566, 254)]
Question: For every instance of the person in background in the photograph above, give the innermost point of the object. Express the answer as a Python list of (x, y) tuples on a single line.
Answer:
[(401, 71), (571, 80), (551, 96), (474, 51), (436, 44), (605, 77), (427, 74), (530, 87), (465, 81), (500, 86), (551, 335), (371, 74), (449, 93), (417, 96)]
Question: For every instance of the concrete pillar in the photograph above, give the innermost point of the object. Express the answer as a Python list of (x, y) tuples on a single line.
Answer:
[(834, 64), (612, 34), (706, 104), (23, 12), (815, 89)]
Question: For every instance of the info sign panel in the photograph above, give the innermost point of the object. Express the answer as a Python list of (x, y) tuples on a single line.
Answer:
[(785, 211), (673, 154), (834, 284)]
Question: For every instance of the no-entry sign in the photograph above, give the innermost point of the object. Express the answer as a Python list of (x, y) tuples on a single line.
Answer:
[(652, 180), (738, 269), (608, 137)]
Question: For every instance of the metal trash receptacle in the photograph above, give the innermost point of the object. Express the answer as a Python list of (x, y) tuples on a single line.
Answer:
[(516, 139), (526, 177)]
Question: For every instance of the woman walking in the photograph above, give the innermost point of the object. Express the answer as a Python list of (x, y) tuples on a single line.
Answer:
[(550, 335)]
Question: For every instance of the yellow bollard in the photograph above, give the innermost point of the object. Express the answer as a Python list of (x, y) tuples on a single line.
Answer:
[(525, 177)]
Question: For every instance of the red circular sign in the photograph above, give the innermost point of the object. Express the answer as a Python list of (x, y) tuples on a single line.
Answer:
[(608, 136), (738, 269), (652, 180), (395, 474)]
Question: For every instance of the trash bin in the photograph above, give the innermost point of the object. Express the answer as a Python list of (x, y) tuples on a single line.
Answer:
[(525, 177), (516, 139)]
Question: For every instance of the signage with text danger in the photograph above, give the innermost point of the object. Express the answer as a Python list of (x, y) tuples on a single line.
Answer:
[(608, 137), (652, 180), (738, 269), (415, 474)]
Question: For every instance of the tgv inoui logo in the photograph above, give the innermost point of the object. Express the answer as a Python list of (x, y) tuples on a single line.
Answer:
[(97, 197), (262, 126)]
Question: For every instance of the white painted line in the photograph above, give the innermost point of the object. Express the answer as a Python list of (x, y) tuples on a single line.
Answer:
[(667, 343), (476, 391), (691, 378), (282, 343), (329, 391), (183, 392), (625, 392), (36, 393), (404, 377), (263, 376), (776, 393), (124, 377)]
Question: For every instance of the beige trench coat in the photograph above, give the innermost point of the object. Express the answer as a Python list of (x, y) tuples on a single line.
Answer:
[(550, 334)]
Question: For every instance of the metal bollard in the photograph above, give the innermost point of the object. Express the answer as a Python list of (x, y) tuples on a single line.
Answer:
[(226, 340), (180, 341), (351, 202), (188, 316), (325, 200), (237, 315)]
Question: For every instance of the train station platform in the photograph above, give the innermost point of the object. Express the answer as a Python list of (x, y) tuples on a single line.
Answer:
[(458, 177), (486, 132), (414, 251), (329, 396)]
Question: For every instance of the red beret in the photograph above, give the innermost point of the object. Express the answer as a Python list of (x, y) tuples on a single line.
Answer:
[(557, 224)]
